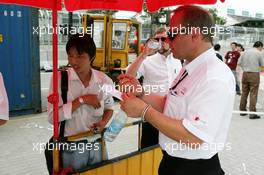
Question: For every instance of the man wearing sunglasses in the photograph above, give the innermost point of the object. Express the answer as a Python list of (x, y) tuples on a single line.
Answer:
[(158, 70), (194, 117)]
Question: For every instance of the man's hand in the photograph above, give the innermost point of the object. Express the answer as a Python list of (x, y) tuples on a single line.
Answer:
[(148, 51), (91, 100), (99, 126), (132, 105), (129, 83)]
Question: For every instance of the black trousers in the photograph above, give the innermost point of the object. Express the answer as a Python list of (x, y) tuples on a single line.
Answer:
[(150, 135), (178, 166)]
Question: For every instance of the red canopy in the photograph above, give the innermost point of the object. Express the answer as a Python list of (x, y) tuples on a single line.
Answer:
[(129, 5), (154, 5)]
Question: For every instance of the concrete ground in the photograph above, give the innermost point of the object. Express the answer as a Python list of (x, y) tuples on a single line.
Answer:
[(22, 136)]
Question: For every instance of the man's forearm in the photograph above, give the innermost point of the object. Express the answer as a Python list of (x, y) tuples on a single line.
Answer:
[(75, 104), (172, 128), (133, 68), (156, 101), (107, 115)]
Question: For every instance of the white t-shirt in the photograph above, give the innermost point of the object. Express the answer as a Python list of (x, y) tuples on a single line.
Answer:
[(159, 72), (4, 108), (204, 102), (82, 118)]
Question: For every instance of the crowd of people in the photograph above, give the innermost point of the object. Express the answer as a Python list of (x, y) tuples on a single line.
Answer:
[(250, 61)]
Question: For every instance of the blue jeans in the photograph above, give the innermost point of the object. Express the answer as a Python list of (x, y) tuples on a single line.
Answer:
[(237, 82), (85, 155)]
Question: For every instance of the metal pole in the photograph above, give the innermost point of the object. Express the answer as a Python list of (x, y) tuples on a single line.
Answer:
[(70, 22), (55, 85)]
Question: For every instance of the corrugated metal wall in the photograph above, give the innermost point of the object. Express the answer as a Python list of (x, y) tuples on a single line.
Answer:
[(19, 58)]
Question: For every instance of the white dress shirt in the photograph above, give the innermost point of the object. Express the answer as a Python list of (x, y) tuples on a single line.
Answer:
[(203, 100), (4, 108), (159, 72), (85, 116)]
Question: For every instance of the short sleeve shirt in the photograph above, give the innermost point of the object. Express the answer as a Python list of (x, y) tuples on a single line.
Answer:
[(232, 59), (85, 116), (159, 72), (204, 102)]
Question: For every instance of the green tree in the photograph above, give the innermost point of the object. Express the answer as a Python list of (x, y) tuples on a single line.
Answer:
[(218, 19)]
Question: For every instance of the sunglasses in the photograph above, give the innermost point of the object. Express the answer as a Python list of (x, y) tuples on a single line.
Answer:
[(162, 39)]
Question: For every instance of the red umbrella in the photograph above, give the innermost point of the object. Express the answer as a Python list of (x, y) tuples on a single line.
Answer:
[(135, 5)]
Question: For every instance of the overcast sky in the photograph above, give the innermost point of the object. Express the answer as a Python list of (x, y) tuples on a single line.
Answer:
[(253, 6), (249, 5)]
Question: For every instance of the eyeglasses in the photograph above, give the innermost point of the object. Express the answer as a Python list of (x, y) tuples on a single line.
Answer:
[(161, 38)]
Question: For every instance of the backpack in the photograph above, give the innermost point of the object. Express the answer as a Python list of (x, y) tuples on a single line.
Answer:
[(48, 149)]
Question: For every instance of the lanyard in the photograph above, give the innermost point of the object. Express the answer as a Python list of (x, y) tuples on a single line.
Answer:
[(185, 73)]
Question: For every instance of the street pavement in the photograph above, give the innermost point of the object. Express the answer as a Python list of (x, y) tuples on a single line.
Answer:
[(21, 137)]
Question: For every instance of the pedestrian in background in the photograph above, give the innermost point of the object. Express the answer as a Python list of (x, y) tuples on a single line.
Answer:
[(231, 58), (240, 48), (217, 48), (250, 63)]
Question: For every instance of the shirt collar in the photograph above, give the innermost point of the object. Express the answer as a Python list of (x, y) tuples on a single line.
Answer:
[(190, 67), (160, 55), (163, 56), (73, 76)]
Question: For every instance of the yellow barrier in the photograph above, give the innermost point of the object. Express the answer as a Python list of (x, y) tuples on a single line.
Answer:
[(142, 163)]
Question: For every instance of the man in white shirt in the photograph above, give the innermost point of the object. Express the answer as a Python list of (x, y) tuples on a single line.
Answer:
[(194, 117), (4, 108), (87, 105), (250, 63), (158, 71)]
